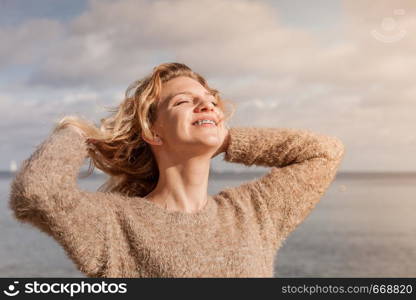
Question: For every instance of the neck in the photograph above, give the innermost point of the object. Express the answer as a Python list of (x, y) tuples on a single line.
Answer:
[(182, 186)]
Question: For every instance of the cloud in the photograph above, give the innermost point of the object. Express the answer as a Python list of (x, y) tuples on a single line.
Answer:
[(356, 86), (28, 42), (212, 36)]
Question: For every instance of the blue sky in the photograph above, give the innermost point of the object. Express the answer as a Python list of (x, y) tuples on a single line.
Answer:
[(15, 12), (341, 68)]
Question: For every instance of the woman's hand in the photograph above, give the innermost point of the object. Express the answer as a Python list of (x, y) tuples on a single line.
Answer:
[(225, 136)]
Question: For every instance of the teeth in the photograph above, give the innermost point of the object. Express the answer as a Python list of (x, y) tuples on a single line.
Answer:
[(200, 122)]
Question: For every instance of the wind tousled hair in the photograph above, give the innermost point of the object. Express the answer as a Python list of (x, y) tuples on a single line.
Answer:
[(117, 148)]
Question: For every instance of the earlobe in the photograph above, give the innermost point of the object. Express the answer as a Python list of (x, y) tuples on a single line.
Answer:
[(158, 140), (155, 141)]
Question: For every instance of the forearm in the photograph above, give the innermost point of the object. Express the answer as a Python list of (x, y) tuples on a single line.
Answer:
[(279, 147), (51, 171)]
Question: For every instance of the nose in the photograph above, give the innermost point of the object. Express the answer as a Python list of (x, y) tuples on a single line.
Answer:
[(204, 105)]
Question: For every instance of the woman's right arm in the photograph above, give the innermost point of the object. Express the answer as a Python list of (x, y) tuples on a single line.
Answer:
[(45, 194)]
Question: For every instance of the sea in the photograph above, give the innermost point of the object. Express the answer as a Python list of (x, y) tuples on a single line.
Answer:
[(364, 226)]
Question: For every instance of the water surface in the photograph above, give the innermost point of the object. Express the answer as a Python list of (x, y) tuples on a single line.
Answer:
[(362, 227)]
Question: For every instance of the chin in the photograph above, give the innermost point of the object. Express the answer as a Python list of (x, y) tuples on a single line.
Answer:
[(211, 140)]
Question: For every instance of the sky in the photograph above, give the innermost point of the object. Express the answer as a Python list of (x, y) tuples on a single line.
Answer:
[(341, 68)]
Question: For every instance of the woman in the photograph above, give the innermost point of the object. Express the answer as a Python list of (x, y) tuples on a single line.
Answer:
[(154, 218)]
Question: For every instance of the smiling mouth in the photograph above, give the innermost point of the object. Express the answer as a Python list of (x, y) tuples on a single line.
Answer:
[(205, 123)]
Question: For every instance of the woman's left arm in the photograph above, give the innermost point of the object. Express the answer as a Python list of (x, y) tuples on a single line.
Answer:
[(304, 163)]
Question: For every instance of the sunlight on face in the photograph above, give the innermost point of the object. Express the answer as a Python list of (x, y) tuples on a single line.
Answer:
[(184, 101)]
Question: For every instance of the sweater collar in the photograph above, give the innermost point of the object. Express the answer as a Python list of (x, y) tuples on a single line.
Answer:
[(156, 210)]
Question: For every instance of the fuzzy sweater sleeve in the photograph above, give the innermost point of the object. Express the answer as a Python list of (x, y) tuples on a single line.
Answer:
[(45, 194), (303, 164)]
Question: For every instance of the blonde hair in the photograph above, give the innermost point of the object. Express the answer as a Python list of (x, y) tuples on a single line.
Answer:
[(117, 147)]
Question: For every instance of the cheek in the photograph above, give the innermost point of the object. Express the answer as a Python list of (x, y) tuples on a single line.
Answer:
[(176, 126), (167, 120), (221, 115)]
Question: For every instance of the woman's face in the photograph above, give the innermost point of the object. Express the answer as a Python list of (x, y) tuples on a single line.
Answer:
[(183, 102)]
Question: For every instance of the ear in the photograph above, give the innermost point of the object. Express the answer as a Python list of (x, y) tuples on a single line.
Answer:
[(156, 141)]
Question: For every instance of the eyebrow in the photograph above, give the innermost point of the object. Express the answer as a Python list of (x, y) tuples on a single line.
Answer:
[(170, 97)]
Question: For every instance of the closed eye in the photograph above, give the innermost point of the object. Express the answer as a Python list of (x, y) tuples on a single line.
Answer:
[(184, 101), (179, 102)]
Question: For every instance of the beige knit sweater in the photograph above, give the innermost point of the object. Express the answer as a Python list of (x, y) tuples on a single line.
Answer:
[(236, 234)]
